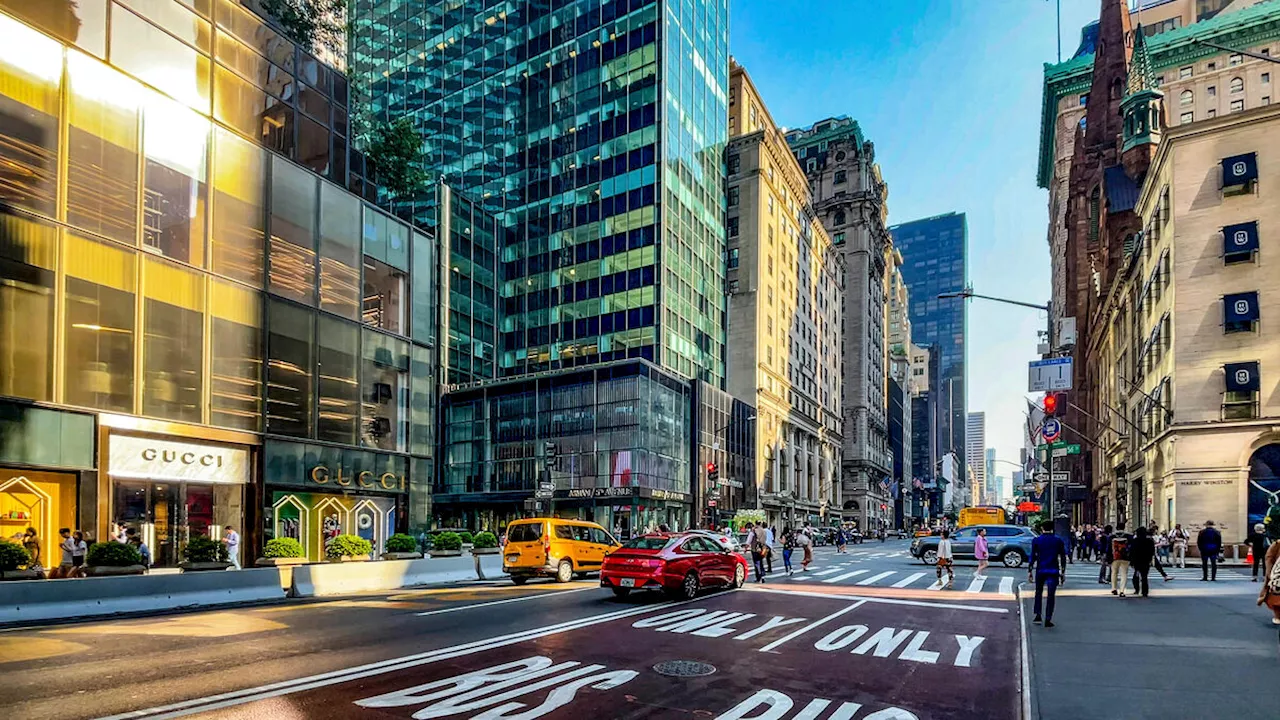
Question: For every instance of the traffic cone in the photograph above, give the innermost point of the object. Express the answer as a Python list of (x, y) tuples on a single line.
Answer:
[(1248, 560)]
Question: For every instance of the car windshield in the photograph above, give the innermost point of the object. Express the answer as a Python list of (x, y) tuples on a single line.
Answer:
[(647, 543), (525, 532)]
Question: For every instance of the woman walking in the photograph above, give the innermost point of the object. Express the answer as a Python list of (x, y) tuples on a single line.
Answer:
[(945, 559), (806, 545), (982, 552), (788, 546), (1270, 595)]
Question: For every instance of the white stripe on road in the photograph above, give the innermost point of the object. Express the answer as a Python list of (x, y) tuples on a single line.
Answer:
[(884, 600), (876, 578), (844, 576), (910, 579), (810, 626), (828, 572), (549, 593), (976, 585), (1006, 586)]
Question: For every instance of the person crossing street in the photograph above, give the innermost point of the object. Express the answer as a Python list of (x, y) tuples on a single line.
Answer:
[(1048, 568), (1209, 542)]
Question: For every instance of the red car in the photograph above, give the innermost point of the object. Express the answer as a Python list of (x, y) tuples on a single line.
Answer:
[(679, 563)]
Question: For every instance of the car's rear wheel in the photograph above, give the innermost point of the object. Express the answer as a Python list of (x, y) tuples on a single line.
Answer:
[(564, 573), (689, 586), (1013, 558), (930, 557), (519, 579), (621, 591), (739, 576)]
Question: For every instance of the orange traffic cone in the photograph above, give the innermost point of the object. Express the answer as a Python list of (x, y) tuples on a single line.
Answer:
[(1248, 560)]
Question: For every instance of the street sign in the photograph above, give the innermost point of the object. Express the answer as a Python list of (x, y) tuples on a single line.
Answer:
[(1028, 487), (1047, 375), (1027, 506), (1058, 477), (1060, 449), (542, 494), (546, 486), (1051, 429)]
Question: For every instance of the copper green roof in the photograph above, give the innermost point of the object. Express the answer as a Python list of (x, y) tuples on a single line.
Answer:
[(841, 127), (1243, 28)]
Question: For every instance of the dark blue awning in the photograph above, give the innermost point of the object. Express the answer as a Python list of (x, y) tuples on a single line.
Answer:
[(1242, 377), (1240, 307), (1239, 169), (1240, 238), (1122, 191)]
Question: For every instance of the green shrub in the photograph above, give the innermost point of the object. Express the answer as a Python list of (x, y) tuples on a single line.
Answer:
[(202, 549), (447, 541), (113, 554), (283, 548), (401, 543), (13, 556), (467, 538), (486, 539), (348, 546)]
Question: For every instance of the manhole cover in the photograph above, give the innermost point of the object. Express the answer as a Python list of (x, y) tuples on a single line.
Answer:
[(684, 668)]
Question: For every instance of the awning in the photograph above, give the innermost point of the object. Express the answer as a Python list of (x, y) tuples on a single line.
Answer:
[(1242, 377), (1239, 169), (1240, 238), (1240, 307)]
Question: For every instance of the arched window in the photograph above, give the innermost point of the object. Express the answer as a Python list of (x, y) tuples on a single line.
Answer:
[(1095, 208), (839, 218), (1237, 85), (1186, 98)]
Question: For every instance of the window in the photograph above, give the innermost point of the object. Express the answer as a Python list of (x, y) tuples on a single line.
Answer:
[(337, 362), (734, 163), (290, 368), (1211, 113), (838, 238), (293, 245), (733, 227), (1159, 80), (236, 345), (1186, 98), (158, 59), (1211, 65), (1084, 99), (733, 286), (1186, 117), (1266, 78), (30, 82), (1184, 72), (28, 264), (532, 532), (102, 163), (733, 196), (385, 377), (1239, 405), (384, 296), (1266, 99), (841, 177), (173, 334), (733, 258), (175, 199), (839, 218), (1235, 59), (339, 251), (1237, 85), (239, 194), (1237, 105)]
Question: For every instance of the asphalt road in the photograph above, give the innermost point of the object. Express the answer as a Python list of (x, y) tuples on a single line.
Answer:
[(851, 639)]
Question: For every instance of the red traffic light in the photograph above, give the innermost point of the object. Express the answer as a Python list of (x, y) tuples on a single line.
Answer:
[(1051, 404), (711, 467)]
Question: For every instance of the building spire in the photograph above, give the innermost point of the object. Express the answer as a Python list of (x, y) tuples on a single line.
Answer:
[(1140, 77)]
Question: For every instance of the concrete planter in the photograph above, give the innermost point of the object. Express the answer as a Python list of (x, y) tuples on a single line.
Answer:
[(112, 570), (349, 558), (20, 574), (486, 551), (277, 562), (402, 556), (203, 566), (446, 553)]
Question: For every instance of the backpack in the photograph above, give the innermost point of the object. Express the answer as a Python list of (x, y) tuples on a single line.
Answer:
[(802, 540), (1120, 547), (1273, 580)]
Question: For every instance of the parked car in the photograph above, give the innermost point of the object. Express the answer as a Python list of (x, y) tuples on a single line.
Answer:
[(1008, 544), (552, 547), (680, 564)]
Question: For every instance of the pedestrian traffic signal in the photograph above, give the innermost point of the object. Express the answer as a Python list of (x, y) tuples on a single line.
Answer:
[(713, 472), (1052, 404)]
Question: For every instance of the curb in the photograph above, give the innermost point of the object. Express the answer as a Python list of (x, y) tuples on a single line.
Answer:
[(1025, 665)]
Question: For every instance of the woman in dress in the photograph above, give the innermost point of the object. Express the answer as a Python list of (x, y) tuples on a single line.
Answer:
[(982, 552)]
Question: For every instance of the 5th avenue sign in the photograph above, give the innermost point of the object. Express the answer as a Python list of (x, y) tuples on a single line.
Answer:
[(622, 492)]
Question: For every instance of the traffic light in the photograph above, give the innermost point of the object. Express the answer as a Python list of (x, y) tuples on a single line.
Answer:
[(552, 453), (713, 472), (1052, 404)]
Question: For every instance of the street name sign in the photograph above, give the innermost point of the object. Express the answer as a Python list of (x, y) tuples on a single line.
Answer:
[(1048, 375)]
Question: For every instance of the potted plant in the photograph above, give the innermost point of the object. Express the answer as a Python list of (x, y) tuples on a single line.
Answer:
[(203, 553), (401, 547), (348, 548), (113, 558), (281, 551), (14, 560), (447, 544), (486, 543), (467, 538)]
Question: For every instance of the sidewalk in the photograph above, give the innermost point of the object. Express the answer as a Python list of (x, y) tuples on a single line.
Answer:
[(1191, 650)]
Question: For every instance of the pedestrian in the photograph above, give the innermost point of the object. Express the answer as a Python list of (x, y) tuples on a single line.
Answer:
[(1142, 552), (945, 559), (78, 553), (232, 539), (756, 538), (1179, 537), (1090, 542), (1049, 564), (788, 547), (1162, 544), (1270, 594), (132, 538), (1209, 542), (1257, 541), (841, 540), (68, 548), (1104, 556), (805, 540), (1120, 560), (31, 541), (981, 552), (769, 539), (119, 533)]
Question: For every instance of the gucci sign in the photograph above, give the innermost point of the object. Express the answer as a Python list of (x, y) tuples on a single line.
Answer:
[(322, 475), (148, 458)]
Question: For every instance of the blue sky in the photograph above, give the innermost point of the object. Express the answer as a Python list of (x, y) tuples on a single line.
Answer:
[(949, 91)]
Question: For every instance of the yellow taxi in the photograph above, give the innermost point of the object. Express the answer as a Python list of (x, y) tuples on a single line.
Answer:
[(552, 547)]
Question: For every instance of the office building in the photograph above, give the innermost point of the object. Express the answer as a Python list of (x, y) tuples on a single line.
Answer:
[(925, 460), (785, 279), (975, 444), (200, 327), (849, 197), (990, 481)]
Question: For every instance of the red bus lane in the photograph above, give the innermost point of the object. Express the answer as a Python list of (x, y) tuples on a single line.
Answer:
[(737, 656)]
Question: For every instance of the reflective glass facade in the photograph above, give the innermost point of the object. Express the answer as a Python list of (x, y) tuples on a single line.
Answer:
[(935, 255), (594, 131)]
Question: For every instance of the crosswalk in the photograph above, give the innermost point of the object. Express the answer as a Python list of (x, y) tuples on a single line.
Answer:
[(846, 574)]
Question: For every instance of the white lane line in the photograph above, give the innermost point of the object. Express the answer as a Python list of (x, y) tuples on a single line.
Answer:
[(549, 593), (976, 585), (909, 579), (887, 601), (876, 578), (828, 572), (810, 626), (286, 687), (844, 576), (1006, 586), (937, 584)]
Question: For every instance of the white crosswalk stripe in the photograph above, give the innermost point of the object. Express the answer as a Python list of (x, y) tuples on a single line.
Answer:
[(827, 572), (876, 578), (1006, 586), (844, 576), (909, 579), (976, 585)]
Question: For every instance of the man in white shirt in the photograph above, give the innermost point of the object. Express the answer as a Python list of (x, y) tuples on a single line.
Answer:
[(68, 547), (232, 539), (768, 541)]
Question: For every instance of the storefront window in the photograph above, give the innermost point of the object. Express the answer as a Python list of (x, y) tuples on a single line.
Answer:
[(235, 383), (30, 80), (176, 141), (102, 169), (27, 261), (385, 392), (293, 243), (422, 402), (173, 333), (239, 215), (42, 500), (339, 353), (384, 293), (101, 294), (339, 251), (290, 362)]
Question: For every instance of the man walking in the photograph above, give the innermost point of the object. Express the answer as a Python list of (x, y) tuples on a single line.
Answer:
[(769, 539), (758, 547), (1119, 560), (1104, 556), (1257, 542), (232, 539), (1048, 567), (1179, 538), (1209, 541)]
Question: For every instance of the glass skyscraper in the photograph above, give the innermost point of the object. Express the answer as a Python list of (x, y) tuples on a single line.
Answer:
[(594, 131), (935, 254)]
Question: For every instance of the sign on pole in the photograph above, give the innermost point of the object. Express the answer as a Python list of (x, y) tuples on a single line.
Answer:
[(1049, 375), (1051, 429)]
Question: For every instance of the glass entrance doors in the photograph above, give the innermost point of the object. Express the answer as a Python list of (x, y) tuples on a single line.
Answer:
[(168, 514)]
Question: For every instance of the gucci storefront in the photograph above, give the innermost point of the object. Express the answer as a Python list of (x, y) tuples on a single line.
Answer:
[(315, 493)]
